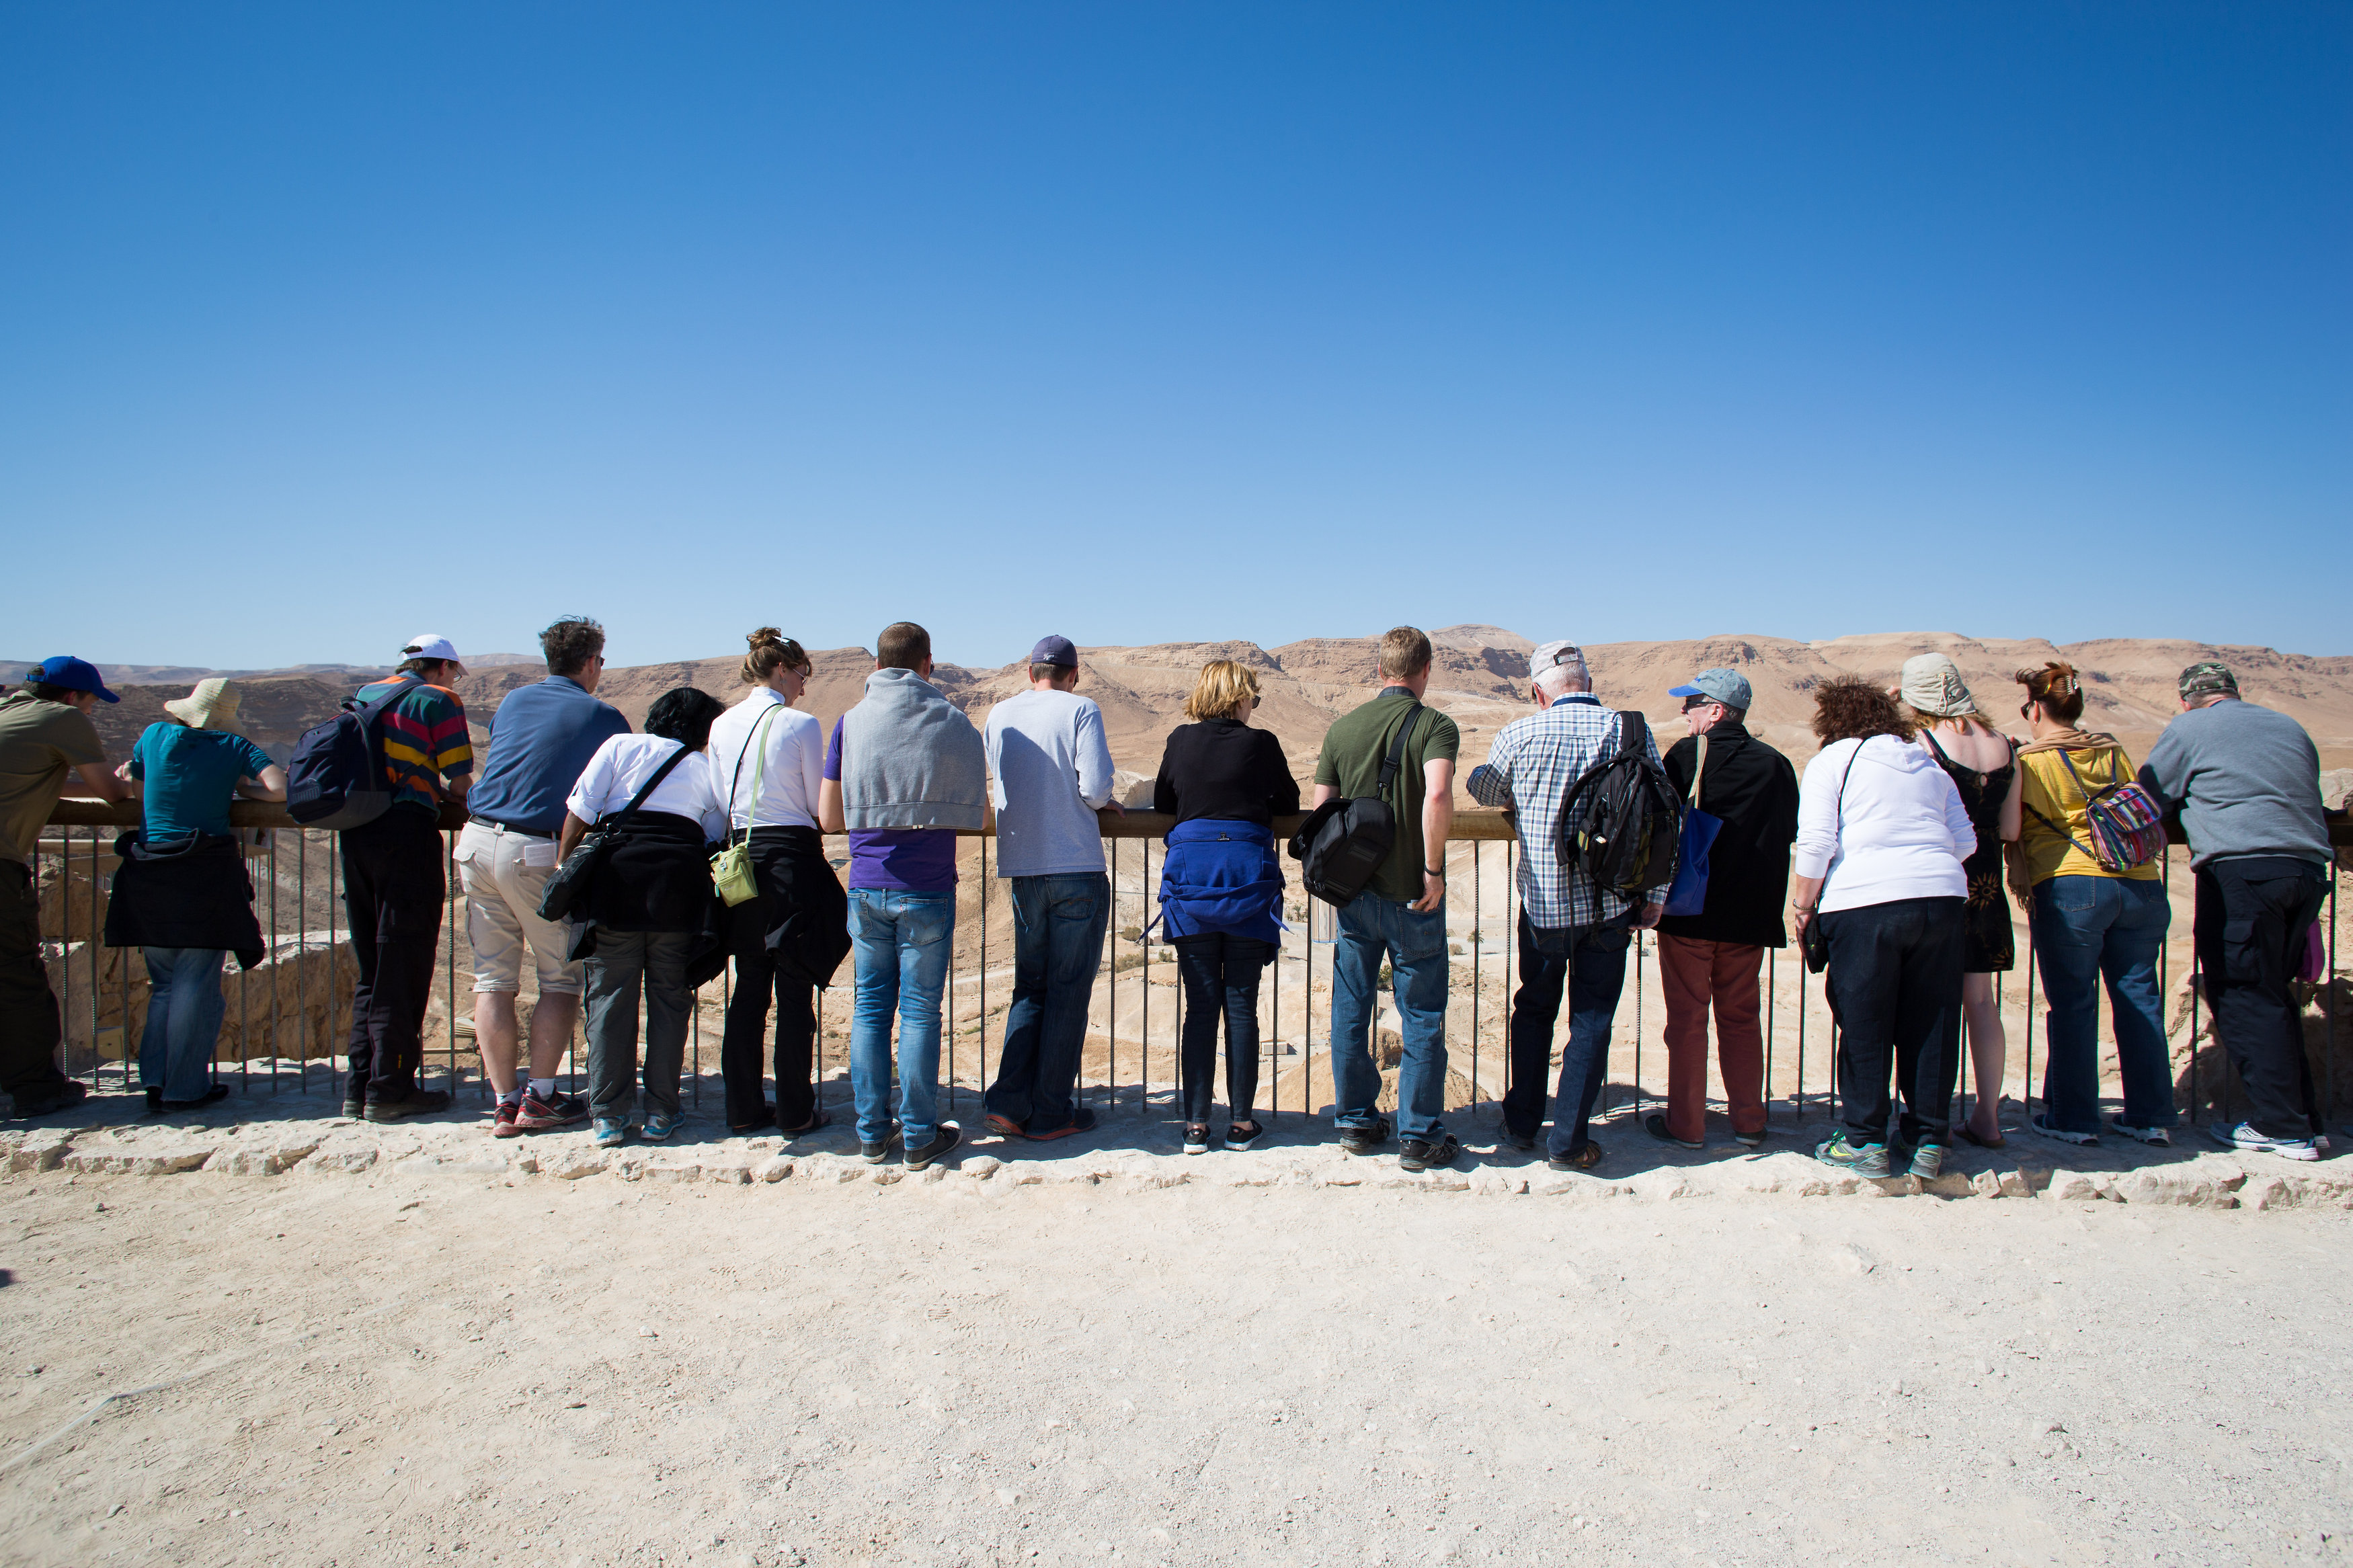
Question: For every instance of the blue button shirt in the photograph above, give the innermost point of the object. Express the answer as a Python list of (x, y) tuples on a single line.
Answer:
[(541, 740)]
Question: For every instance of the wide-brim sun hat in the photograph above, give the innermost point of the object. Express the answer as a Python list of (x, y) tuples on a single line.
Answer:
[(1933, 685), (211, 706)]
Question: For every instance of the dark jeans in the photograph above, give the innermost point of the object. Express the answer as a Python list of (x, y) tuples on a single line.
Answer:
[(1221, 975), (1894, 986), (2251, 913), (394, 885), (741, 1049), (185, 1008), (2087, 929), (1058, 942), (30, 1030), (1589, 962), (625, 963)]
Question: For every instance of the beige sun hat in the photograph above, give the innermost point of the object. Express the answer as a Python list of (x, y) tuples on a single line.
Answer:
[(1933, 685), (211, 706)]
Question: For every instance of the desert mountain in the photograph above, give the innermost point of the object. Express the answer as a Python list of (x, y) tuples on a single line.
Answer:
[(1480, 680)]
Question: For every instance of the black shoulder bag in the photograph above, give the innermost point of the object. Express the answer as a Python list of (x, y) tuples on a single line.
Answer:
[(566, 897), (1343, 842)]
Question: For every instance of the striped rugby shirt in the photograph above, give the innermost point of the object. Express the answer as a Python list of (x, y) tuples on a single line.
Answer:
[(425, 740)]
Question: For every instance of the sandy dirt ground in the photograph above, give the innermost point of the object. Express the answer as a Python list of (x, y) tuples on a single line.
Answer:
[(420, 1368)]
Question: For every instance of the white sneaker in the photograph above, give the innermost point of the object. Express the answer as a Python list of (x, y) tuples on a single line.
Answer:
[(2244, 1137), (2042, 1124), (2159, 1136)]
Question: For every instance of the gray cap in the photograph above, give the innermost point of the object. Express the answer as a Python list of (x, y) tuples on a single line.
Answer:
[(1561, 654), (1728, 687)]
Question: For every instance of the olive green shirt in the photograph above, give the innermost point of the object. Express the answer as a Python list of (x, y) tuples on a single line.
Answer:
[(40, 743), (1354, 749)]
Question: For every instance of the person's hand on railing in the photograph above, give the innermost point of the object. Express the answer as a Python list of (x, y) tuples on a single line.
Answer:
[(1649, 918), (1113, 806)]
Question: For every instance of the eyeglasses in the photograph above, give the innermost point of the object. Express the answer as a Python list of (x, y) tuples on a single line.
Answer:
[(1701, 700)]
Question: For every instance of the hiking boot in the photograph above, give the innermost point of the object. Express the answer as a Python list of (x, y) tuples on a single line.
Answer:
[(1655, 1124), (212, 1096), (1365, 1140), (502, 1121), (50, 1098), (1864, 1159), (537, 1115), (2244, 1137), (1422, 1154), (416, 1102), (1081, 1121), (945, 1140), (2157, 1137)]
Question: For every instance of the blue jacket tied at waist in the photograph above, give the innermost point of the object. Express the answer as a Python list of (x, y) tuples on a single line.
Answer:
[(1221, 876)]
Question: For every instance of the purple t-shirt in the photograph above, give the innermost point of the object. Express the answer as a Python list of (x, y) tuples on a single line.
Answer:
[(897, 860)]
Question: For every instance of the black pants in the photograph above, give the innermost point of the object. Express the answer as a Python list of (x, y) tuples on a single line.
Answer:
[(1894, 986), (394, 887), (1221, 972), (29, 1031), (1589, 963), (781, 859), (2251, 913)]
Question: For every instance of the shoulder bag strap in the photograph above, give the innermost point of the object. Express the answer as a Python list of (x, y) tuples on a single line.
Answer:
[(752, 813), (1699, 769), (1396, 759), (660, 774), (1838, 813)]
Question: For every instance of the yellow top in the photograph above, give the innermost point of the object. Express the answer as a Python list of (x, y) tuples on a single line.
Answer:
[(2048, 787)]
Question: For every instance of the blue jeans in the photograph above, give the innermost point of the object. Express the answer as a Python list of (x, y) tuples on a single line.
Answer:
[(1589, 963), (2087, 929), (1370, 927), (900, 943), (185, 1008), (1058, 942)]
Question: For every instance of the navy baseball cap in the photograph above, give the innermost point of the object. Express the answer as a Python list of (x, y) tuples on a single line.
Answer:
[(1728, 687), (73, 674), (1056, 651)]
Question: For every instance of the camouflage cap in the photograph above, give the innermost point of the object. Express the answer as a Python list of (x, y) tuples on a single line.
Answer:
[(2208, 679)]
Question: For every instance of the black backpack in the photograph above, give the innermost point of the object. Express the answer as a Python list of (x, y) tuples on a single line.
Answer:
[(1621, 823), (335, 777), (1343, 842)]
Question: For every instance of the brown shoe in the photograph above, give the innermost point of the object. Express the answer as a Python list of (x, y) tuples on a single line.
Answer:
[(416, 1102)]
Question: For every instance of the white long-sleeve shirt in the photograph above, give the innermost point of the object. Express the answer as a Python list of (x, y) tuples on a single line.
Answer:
[(1900, 833), (795, 744), (1051, 772)]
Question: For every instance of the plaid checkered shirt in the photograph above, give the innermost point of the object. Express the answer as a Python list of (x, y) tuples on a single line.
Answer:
[(1532, 766)]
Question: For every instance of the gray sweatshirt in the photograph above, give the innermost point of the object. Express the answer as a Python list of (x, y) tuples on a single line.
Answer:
[(1053, 767), (909, 759), (2245, 779)]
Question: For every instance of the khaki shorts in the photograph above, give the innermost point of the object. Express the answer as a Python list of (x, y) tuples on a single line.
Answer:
[(505, 874)]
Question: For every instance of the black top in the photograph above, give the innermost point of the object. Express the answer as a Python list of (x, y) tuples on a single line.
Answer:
[(1224, 769), (1755, 790)]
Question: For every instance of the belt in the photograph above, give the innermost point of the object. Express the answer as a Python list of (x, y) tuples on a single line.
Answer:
[(503, 827)]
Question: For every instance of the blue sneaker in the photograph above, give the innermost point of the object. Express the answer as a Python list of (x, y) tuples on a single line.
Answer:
[(611, 1133), (657, 1127), (1862, 1159)]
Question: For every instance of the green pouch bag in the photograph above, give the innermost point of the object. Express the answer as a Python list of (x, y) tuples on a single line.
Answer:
[(731, 868)]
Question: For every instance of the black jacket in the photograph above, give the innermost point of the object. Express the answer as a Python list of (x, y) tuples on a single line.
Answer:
[(1222, 768), (1755, 790), (189, 892), (804, 913)]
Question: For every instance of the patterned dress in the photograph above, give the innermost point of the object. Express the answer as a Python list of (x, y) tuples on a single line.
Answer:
[(1987, 942)]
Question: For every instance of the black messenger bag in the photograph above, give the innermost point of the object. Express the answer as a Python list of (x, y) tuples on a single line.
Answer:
[(1343, 842)]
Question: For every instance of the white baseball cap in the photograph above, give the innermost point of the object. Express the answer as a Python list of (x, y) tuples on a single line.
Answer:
[(430, 646)]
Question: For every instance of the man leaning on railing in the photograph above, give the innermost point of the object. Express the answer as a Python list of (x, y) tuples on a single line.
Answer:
[(47, 746)]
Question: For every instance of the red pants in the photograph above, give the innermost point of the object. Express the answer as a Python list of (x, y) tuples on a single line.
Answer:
[(1693, 974)]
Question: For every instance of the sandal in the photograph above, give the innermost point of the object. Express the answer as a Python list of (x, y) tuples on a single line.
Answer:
[(817, 1119), (1967, 1134)]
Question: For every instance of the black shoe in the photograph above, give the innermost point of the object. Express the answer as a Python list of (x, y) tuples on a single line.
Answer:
[(212, 1096), (1526, 1143), (763, 1118), (155, 1099), (1420, 1153), (416, 1102), (875, 1154), (1081, 1121), (945, 1139), (1655, 1124), (355, 1103), (1365, 1140), (50, 1098), (1585, 1159)]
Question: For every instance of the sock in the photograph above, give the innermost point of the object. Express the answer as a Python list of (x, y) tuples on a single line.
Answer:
[(542, 1086), (511, 1097)]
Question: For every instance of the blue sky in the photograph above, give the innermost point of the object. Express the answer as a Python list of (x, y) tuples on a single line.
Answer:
[(323, 325)]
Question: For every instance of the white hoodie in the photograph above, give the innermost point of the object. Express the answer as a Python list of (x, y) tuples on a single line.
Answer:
[(1900, 831)]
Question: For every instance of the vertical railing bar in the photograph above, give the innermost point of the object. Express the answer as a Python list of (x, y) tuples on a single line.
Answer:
[(335, 975), (449, 920), (90, 961), (276, 1008), (2026, 1089), (1770, 968), (1478, 912), (1144, 917), (1638, 944), (301, 944), (1802, 971)]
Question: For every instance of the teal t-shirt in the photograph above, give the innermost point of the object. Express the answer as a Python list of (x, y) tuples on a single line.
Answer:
[(189, 776)]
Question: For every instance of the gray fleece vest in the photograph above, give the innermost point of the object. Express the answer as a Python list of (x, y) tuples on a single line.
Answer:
[(909, 759)]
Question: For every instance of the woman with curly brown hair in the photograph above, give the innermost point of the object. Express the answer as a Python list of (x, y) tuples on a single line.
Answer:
[(1881, 836), (2089, 922)]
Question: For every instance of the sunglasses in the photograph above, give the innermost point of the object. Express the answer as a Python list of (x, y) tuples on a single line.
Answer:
[(1700, 701)]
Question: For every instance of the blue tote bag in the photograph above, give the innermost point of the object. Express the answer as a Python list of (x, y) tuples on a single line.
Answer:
[(1688, 895)]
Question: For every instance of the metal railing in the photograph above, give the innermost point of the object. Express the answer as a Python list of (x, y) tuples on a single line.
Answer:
[(287, 1021)]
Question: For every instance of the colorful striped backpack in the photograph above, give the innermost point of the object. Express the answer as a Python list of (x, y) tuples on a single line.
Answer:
[(2126, 826)]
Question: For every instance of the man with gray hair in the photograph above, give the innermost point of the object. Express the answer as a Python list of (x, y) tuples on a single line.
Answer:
[(2245, 782), (1572, 934)]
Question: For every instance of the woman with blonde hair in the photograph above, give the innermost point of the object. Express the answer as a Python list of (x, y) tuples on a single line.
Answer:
[(1221, 888), (1981, 762), (2089, 921)]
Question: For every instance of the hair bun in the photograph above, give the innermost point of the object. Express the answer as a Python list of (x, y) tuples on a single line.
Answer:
[(764, 636)]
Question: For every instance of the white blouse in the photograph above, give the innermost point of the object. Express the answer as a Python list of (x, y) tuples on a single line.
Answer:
[(1900, 831)]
